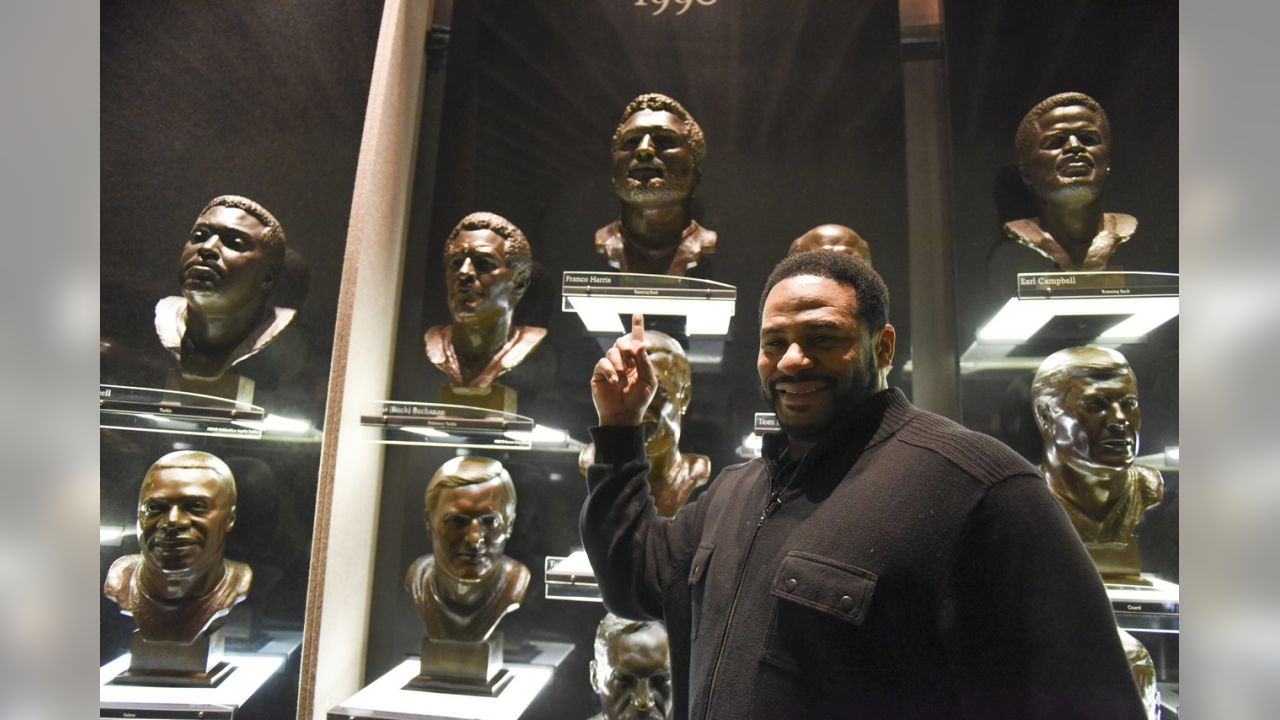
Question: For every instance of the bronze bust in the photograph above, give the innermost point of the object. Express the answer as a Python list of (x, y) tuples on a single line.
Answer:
[(229, 265), (1086, 406), (631, 671), (837, 238), (1063, 152), (487, 268), (180, 584), (467, 585), (673, 475), (657, 162)]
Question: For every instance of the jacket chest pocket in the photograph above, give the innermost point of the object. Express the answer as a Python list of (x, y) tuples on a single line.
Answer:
[(819, 608), (697, 574)]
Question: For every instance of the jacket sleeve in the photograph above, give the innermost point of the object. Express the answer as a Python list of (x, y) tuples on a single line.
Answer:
[(1034, 634), (633, 551)]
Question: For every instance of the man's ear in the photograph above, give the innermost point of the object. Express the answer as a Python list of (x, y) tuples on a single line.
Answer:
[(1024, 173), (521, 285), (883, 346), (595, 680), (231, 520), (1044, 415)]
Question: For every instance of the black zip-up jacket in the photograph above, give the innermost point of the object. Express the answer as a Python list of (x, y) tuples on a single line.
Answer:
[(905, 567)]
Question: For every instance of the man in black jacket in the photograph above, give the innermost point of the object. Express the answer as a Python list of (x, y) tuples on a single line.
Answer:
[(877, 561)]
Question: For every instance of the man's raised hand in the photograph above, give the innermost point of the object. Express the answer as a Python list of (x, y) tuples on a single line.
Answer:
[(623, 382)]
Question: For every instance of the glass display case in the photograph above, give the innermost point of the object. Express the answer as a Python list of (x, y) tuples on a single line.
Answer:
[(199, 102), (373, 132)]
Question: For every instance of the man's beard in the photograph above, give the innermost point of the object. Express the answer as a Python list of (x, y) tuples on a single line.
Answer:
[(861, 386), (664, 190), (1077, 192)]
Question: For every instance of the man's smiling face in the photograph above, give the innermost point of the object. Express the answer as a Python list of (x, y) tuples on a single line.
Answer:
[(816, 360)]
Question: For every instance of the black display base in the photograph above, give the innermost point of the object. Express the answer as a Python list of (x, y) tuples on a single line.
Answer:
[(464, 668), (520, 652), (211, 679), (489, 688)]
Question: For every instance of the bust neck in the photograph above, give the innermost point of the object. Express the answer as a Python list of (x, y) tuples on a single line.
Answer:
[(476, 341), (462, 596), (211, 336), (652, 234), (177, 587), (1092, 494), (1072, 225)]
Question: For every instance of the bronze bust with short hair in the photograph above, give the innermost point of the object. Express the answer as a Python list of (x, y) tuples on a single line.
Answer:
[(657, 163), (833, 237), (467, 585), (1063, 153), (631, 670), (1086, 406), (180, 584), (487, 269), (229, 265), (673, 475)]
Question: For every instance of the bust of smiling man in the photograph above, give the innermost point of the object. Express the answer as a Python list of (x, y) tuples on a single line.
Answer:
[(487, 268), (1063, 147), (467, 585), (180, 584), (657, 162), (229, 265)]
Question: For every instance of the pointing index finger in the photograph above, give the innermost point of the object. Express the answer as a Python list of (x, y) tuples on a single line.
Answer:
[(637, 328)]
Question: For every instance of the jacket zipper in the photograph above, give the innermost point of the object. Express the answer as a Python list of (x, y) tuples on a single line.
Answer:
[(771, 505)]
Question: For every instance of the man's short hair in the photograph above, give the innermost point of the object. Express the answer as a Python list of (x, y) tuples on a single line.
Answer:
[(197, 459), (516, 253), (659, 103), (872, 294), (1074, 363), (273, 240), (452, 474), (610, 627), (1028, 129)]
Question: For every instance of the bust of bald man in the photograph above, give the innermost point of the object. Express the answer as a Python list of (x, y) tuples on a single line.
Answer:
[(833, 237)]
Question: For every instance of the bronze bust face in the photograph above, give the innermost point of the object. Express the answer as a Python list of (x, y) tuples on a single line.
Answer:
[(228, 266), (487, 269), (631, 671), (180, 582), (1063, 147), (673, 475), (1086, 406), (833, 237), (657, 153), (467, 585)]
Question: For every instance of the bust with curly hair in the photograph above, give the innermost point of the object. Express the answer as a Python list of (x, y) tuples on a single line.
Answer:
[(487, 267), (230, 262), (1063, 147), (657, 162)]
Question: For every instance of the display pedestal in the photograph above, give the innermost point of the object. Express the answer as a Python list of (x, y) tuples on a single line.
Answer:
[(468, 668), (231, 386), (1152, 606), (197, 664), (497, 397), (387, 699), (249, 673)]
